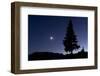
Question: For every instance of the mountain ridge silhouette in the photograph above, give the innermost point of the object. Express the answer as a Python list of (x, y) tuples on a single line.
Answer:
[(52, 56)]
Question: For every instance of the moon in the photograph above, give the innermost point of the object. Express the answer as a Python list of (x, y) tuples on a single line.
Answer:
[(51, 38)]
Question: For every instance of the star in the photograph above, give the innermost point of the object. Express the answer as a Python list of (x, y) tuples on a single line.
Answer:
[(51, 38)]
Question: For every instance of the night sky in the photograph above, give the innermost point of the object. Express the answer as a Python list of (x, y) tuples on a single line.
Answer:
[(46, 33)]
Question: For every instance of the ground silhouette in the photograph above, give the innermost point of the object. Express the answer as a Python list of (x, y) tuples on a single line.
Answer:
[(53, 56)]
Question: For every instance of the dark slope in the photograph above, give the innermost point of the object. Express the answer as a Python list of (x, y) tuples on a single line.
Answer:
[(52, 56)]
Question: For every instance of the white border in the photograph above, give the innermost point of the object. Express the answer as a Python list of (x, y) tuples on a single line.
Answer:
[(25, 64)]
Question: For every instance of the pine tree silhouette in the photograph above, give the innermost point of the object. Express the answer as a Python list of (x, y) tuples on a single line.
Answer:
[(83, 50), (70, 40)]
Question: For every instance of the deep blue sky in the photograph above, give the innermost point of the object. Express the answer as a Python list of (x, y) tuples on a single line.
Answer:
[(41, 28)]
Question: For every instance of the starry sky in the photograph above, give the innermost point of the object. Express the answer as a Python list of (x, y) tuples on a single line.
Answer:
[(46, 33)]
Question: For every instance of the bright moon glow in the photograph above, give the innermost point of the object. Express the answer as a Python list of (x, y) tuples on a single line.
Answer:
[(51, 37)]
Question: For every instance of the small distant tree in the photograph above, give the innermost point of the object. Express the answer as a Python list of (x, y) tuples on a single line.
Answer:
[(70, 41), (83, 50)]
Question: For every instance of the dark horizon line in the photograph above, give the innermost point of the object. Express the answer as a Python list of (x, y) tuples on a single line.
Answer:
[(51, 52)]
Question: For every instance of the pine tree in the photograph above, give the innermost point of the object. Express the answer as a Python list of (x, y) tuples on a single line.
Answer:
[(70, 40), (83, 50)]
